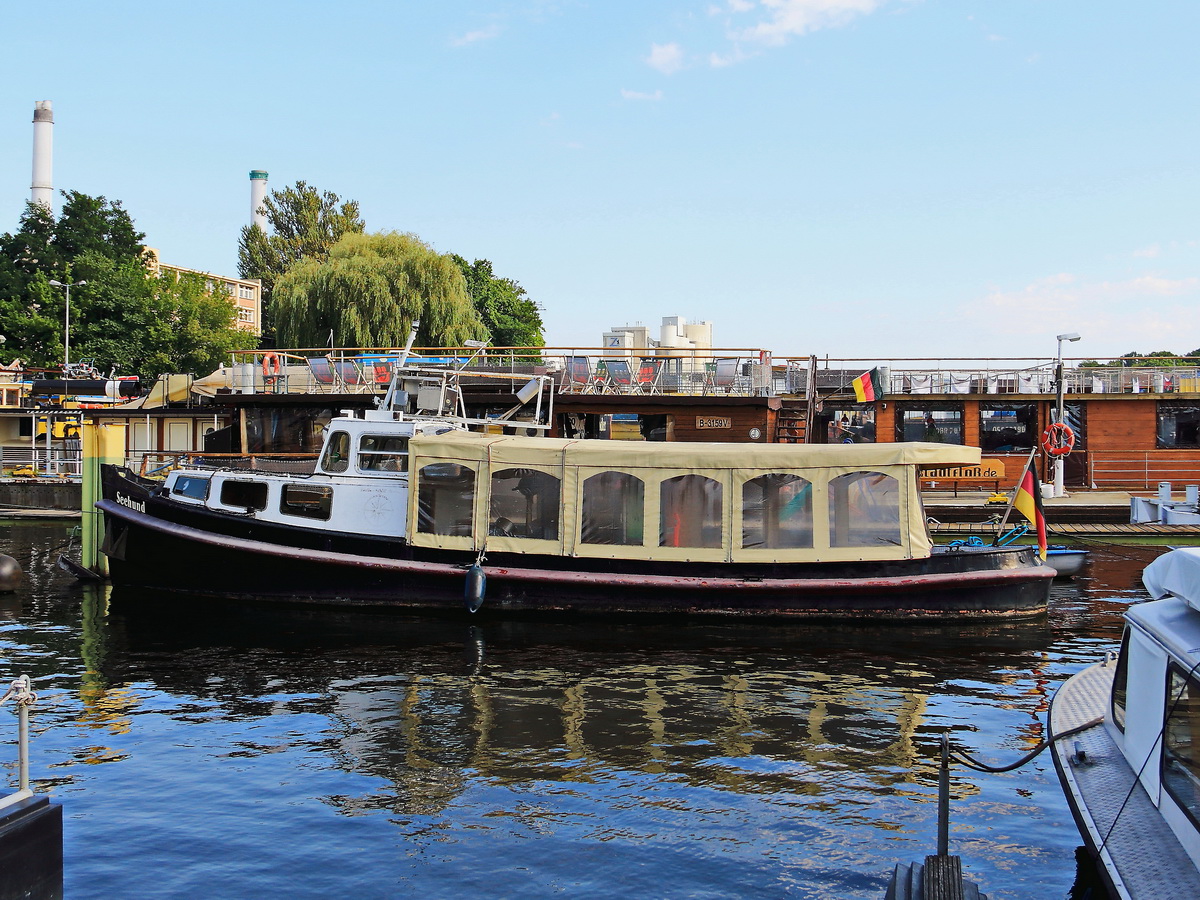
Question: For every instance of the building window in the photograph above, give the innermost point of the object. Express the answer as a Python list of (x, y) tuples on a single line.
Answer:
[(245, 315), (777, 512), (864, 510), (524, 504), (938, 422), (690, 512), (1178, 426), (1008, 427), (847, 424), (245, 292), (613, 509)]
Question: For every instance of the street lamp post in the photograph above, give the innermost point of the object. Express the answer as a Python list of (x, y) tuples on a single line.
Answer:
[(67, 322), (1060, 412)]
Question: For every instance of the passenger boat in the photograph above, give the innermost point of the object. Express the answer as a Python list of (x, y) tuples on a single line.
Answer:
[(1132, 774), (414, 505)]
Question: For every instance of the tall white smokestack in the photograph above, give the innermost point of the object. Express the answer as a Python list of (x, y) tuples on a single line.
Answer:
[(258, 193), (42, 189)]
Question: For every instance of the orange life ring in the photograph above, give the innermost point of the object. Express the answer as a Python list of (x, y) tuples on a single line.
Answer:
[(271, 366), (1058, 439)]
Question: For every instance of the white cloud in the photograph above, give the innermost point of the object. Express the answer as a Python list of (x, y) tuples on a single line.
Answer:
[(640, 95), (1147, 312), (787, 19), (1148, 252), (473, 37), (667, 58)]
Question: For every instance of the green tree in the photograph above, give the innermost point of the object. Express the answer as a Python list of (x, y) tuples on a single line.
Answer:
[(370, 290), (511, 318), (304, 224), (122, 317)]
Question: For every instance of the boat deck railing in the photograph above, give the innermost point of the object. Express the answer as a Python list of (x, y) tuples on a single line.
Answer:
[(707, 371), (153, 464)]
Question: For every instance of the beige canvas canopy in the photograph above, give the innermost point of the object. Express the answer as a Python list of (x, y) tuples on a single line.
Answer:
[(677, 501)]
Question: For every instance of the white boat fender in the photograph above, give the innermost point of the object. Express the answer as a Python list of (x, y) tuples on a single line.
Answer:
[(475, 588)]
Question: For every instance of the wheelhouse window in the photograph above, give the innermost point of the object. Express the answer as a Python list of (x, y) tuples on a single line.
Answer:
[(938, 422), (337, 452), (524, 503), (246, 494), (1120, 688), (864, 510), (1008, 427), (1181, 742), (690, 512), (191, 486), (445, 499), (308, 500), (777, 512), (383, 453), (613, 509), (1178, 426)]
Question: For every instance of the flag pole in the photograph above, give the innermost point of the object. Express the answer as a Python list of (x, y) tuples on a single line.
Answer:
[(1013, 498)]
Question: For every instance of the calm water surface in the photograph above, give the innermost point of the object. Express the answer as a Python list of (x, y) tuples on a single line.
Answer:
[(236, 751)]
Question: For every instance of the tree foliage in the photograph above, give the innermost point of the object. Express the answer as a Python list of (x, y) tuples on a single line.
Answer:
[(123, 317), (511, 318), (1137, 358), (304, 225), (368, 292)]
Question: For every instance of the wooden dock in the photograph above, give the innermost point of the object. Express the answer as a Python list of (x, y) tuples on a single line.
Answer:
[(1083, 532)]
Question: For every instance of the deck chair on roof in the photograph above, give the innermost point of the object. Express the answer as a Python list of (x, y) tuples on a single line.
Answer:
[(620, 378), (577, 375), (648, 375), (322, 371), (348, 372)]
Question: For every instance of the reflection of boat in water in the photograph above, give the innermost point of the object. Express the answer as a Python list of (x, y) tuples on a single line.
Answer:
[(1132, 775), (408, 502)]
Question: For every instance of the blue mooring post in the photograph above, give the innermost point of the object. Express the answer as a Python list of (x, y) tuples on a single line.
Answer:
[(31, 836)]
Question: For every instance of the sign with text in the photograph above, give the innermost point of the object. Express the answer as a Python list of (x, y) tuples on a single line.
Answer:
[(988, 469), (713, 422)]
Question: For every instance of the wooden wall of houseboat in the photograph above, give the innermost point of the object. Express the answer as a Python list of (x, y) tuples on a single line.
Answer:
[(1121, 424)]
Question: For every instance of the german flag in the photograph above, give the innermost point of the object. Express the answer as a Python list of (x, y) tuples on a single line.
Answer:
[(868, 386), (1028, 502)]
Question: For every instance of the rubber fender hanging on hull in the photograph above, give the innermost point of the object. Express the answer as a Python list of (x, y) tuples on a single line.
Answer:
[(475, 588)]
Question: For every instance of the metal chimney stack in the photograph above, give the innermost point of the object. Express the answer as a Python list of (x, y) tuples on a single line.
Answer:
[(42, 189), (258, 193)]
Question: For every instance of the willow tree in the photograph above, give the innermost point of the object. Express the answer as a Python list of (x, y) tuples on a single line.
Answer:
[(368, 292)]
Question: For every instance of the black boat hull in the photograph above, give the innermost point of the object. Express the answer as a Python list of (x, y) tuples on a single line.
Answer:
[(154, 542)]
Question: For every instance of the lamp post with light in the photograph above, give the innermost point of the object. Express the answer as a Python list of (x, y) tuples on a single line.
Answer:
[(1060, 411), (67, 321)]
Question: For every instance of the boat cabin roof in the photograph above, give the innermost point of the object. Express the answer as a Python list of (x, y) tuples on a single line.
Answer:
[(689, 455)]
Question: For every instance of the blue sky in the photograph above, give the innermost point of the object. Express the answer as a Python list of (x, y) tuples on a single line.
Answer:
[(852, 178)]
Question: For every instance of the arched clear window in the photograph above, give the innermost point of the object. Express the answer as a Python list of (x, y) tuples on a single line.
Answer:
[(613, 510), (864, 510), (337, 452), (445, 499), (777, 512), (690, 512), (524, 504)]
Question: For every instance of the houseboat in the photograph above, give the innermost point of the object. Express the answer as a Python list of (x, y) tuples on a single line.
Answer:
[(1132, 774), (415, 505)]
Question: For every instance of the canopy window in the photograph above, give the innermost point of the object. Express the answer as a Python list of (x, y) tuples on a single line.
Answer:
[(524, 504), (445, 499), (613, 509), (933, 422), (777, 512), (337, 453), (864, 510), (690, 512), (383, 453)]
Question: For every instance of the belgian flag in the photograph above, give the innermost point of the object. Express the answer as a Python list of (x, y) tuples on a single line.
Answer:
[(868, 387), (1028, 502)]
